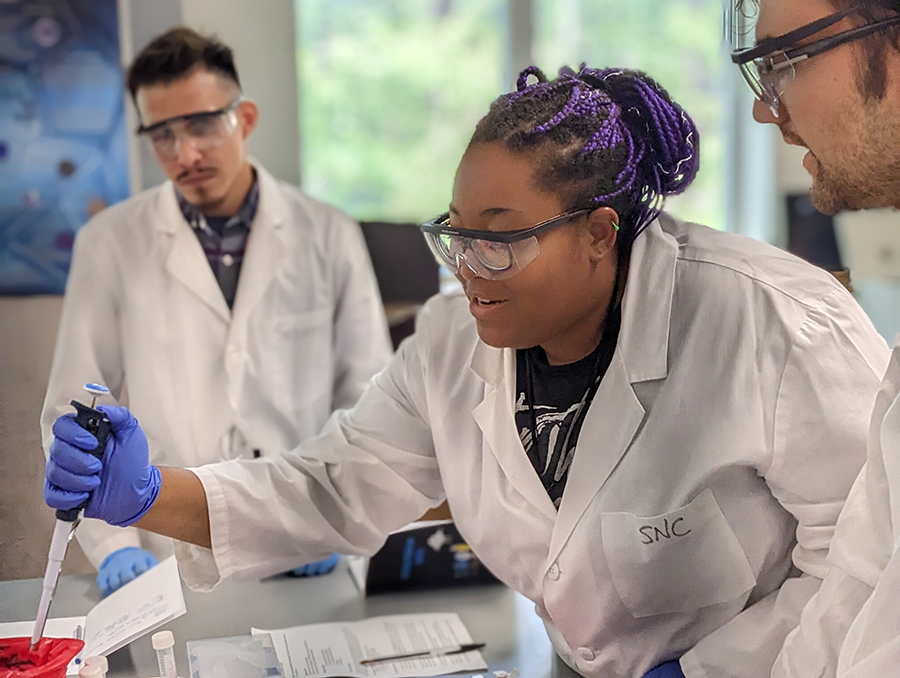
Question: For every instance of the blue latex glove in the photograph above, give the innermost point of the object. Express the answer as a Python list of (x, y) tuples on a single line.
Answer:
[(667, 670), (120, 567), (314, 569), (123, 486)]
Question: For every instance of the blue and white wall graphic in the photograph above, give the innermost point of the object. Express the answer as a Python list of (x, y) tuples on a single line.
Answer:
[(63, 142)]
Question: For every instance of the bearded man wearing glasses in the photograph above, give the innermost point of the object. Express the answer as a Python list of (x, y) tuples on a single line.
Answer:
[(229, 310), (827, 73)]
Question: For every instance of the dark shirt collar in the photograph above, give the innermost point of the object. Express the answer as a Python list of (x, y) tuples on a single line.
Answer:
[(244, 215)]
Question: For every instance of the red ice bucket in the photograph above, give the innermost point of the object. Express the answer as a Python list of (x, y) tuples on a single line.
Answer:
[(49, 660)]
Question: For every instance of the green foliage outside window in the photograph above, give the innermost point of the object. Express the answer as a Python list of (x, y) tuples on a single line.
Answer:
[(390, 94)]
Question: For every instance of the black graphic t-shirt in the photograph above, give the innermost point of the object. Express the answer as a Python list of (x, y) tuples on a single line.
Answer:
[(560, 395)]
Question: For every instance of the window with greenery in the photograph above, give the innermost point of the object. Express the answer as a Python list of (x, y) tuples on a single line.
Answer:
[(390, 93), (391, 90)]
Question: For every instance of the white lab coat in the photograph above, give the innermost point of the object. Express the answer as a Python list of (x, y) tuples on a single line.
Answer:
[(726, 433), (143, 314), (851, 628)]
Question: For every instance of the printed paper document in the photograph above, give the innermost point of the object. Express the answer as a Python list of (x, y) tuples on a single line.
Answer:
[(335, 649)]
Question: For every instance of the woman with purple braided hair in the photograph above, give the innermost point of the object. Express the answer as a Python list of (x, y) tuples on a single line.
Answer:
[(647, 427)]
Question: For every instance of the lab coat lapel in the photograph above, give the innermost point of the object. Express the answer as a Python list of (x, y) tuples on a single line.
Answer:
[(609, 427), (265, 248), (495, 416), (186, 261), (615, 414)]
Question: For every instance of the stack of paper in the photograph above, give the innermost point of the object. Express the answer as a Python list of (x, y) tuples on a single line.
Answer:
[(153, 599), (336, 649)]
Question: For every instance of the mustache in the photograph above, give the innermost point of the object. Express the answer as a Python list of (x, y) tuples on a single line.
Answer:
[(793, 138), (195, 170)]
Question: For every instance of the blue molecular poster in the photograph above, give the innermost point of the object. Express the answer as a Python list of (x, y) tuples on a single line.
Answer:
[(63, 154)]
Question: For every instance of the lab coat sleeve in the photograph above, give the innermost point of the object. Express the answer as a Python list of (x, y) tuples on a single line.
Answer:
[(812, 649), (371, 471), (822, 408), (362, 345), (87, 350), (872, 645), (861, 551)]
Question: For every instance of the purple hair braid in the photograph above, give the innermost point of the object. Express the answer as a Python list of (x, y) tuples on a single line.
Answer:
[(567, 110), (522, 80)]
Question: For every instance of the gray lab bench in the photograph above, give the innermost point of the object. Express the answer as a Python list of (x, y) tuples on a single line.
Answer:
[(495, 615)]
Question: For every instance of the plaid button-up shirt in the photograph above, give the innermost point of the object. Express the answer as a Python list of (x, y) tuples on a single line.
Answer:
[(224, 239)]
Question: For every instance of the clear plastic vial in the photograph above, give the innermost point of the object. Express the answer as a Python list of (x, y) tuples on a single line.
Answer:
[(99, 661), (90, 671), (164, 644)]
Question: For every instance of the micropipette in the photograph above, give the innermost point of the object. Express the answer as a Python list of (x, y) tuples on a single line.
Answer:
[(94, 422)]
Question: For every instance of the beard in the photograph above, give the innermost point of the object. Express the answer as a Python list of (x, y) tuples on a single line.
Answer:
[(831, 195), (855, 161), (861, 170), (207, 205), (203, 198), (856, 186)]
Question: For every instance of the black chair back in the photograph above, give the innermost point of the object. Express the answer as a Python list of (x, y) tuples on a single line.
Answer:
[(406, 271)]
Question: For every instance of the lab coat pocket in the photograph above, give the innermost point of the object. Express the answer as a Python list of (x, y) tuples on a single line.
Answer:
[(676, 562), (301, 359), (301, 323)]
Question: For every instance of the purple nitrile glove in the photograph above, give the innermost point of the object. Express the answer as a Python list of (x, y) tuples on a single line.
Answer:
[(122, 487), (668, 670), (315, 569), (120, 567)]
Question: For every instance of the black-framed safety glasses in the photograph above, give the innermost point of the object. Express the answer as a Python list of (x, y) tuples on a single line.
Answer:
[(494, 255), (205, 129), (769, 66)]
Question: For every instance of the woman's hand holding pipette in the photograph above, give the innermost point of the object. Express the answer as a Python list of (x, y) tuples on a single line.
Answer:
[(124, 484)]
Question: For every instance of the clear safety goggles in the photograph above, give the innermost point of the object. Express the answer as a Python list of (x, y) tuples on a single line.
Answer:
[(488, 254), (768, 67), (204, 130)]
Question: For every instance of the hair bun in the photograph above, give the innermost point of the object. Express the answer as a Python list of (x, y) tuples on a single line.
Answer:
[(648, 109), (522, 80)]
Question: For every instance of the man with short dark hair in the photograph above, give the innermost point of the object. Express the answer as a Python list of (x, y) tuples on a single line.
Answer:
[(244, 311), (827, 73)]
